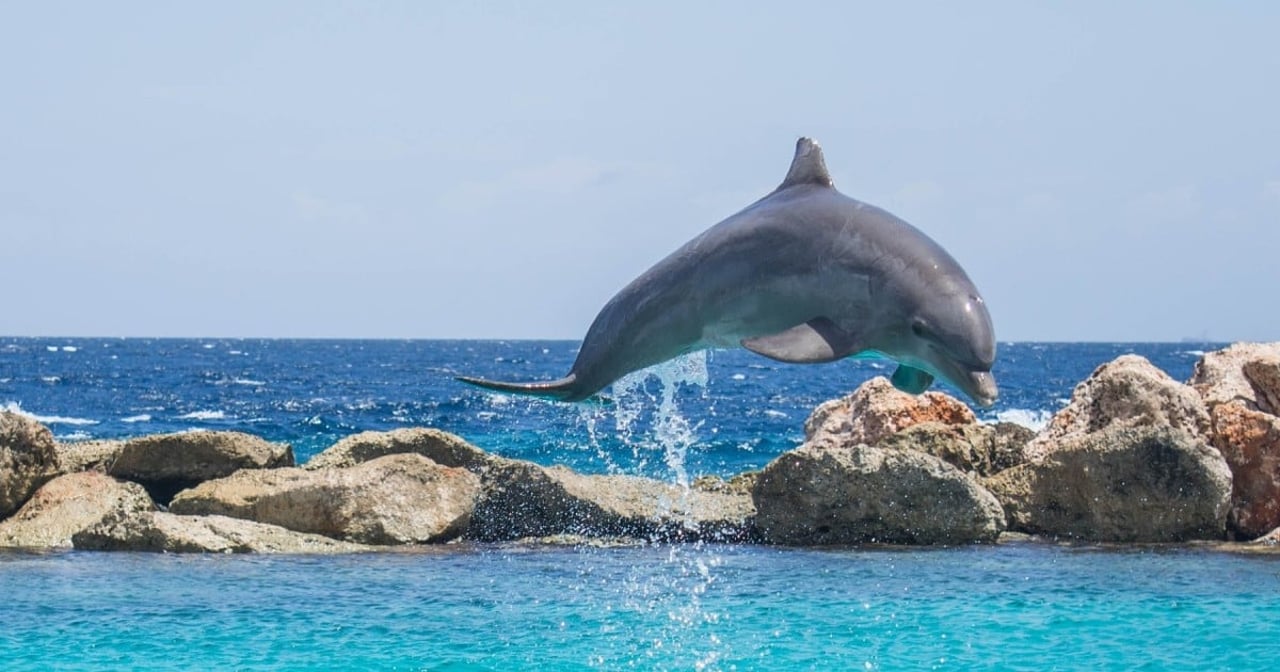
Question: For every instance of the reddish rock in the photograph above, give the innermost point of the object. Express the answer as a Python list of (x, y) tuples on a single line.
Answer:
[(1250, 442), (1219, 376), (877, 410)]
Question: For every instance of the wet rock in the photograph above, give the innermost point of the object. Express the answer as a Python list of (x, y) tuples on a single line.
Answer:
[(27, 460), (439, 446), (983, 450), (168, 463), (396, 499), (1128, 391), (1124, 484), (169, 533), (1249, 440), (69, 504), (1219, 376), (877, 410), (88, 455), (522, 499), (818, 495)]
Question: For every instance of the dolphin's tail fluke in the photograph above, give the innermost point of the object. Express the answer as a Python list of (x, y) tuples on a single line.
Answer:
[(564, 389)]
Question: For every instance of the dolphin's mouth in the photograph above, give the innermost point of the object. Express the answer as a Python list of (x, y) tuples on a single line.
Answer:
[(981, 385)]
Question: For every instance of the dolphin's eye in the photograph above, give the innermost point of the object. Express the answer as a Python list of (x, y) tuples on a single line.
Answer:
[(920, 328)]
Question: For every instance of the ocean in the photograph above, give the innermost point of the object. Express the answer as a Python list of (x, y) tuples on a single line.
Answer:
[(1022, 605)]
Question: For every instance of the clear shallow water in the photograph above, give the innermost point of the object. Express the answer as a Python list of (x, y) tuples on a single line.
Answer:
[(686, 607), (1021, 606)]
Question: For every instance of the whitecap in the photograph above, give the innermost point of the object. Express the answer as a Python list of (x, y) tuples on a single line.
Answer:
[(499, 399), (14, 407), (204, 415), (1034, 420), (738, 376), (207, 346), (51, 379), (5, 380), (51, 348), (775, 414), (74, 436), (1194, 353), (486, 415), (137, 418), (249, 381), (234, 352), (69, 348)]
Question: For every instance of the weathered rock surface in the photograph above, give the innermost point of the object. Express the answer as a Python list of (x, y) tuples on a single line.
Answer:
[(69, 504), (877, 410), (523, 499), (439, 446), (1124, 484), (1219, 376), (396, 499), (1249, 440), (1128, 391), (1271, 539), (88, 455), (983, 450), (817, 495), (1263, 375), (169, 533), (27, 460), (168, 463)]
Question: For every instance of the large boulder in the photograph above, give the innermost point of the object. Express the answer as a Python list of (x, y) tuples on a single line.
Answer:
[(396, 499), (69, 504), (1128, 391), (27, 460), (981, 450), (439, 446), (817, 495), (1250, 442), (1123, 484), (168, 463), (169, 533), (1220, 376), (523, 499), (1263, 375), (97, 455), (877, 410)]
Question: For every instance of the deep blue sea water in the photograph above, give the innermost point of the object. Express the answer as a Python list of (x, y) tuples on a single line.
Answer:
[(501, 607)]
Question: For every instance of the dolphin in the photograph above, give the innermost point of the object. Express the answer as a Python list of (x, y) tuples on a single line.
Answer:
[(804, 275)]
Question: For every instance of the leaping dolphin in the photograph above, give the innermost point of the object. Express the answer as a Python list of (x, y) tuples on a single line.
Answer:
[(803, 275)]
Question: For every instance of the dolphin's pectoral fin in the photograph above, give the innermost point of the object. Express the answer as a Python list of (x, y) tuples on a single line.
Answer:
[(814, 342), (911, 380)]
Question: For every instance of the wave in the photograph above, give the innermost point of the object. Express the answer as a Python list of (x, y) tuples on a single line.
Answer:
[(137, 418), (1194, 353), (51, 379), (249, 381), (204, 415), (1033, 419), (15, 408)]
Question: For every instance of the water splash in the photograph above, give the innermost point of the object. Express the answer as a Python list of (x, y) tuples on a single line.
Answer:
[(635, 396)]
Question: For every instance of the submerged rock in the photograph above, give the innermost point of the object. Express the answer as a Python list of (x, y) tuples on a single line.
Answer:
[(27, 460), (168, 463), (877, 410), (983, 450), (1122, 484), (523, 499), (439, 446), (1128, 391), (817, 495), (396, 499), (170, 533), (69, 504)]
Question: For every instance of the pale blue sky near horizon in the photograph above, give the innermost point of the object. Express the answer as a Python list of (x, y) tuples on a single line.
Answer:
[(1103, 171)]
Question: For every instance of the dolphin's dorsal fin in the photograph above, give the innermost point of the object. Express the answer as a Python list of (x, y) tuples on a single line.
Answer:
[(808, 166)]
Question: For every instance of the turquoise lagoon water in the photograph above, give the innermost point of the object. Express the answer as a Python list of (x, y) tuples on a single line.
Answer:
[(1022, 605)]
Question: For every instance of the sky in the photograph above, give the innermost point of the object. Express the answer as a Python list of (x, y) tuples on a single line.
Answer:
[(1103, 171)]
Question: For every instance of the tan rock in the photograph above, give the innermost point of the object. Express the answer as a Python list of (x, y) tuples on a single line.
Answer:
[(1122, 484), (1219, 376), (877, 410), (1128, 391), (27, 460), (1263, 375), (817, 495), (96, 455), (396, 499), (983, 450), (165, 464), (523, 499), (1249, 440), (170, 533), (439, 446), (69, 504)]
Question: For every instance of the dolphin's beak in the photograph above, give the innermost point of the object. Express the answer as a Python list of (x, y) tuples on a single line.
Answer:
[(981, 386)]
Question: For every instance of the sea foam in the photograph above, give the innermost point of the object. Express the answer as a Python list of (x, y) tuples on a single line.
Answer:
[(1034, 420), (203, 415), (14, 407)]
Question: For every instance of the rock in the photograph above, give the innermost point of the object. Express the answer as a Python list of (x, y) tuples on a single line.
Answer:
[(739, 484), (439, 446), (818, 495), (523, 499), (1219, 376), (27, 460), (88, 455), (1263, 375), (169, 533), (877, 410), (1249, 440), (166, 464), (1128, 391), (1123, 484), (69, 504), (397, 499), (1271, 539), (974, 449)]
